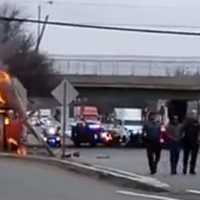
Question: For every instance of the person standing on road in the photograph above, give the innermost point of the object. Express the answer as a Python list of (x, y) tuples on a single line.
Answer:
[(191, 138), (151, 135), (174, 137)]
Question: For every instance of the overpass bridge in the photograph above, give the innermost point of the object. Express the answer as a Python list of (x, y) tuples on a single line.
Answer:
[(126, 65), (129, 81)]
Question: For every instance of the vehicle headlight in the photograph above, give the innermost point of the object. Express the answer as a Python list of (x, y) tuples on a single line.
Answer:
[(57, 138), (104, 135), (140, 131), (48, 122), (52, 131), (134, 131), (95, 136)]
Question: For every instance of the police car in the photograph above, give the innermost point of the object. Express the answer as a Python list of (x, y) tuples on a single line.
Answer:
[(52, 137), (86, 132)]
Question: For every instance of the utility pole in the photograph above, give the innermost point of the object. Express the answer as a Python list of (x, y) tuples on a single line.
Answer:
[(40, 32), (39, 19), (64, 117), (198, 110)]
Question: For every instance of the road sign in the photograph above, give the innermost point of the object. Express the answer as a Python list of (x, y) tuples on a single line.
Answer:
[(71, 92), (65, 93)]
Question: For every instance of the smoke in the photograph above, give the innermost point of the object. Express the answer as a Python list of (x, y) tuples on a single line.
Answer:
[(7, 50), (3, 66)]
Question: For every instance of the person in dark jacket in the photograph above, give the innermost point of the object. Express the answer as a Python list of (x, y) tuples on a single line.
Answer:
[(151, 135), (174, 136), (191, 130)]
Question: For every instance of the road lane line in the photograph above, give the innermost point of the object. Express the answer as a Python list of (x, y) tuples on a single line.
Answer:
[(144, 195), (193, 191)]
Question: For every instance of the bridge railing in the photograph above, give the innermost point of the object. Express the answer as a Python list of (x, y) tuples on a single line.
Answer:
[(125, 67)]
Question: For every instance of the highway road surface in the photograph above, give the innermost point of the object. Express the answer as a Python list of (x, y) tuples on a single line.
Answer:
[(22, 180), (135, 161)]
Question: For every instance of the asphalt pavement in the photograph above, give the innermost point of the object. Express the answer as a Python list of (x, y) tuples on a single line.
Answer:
[(22, 180), (135, 161)]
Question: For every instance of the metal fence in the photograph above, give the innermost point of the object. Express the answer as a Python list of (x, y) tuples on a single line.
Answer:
[(129, 67)]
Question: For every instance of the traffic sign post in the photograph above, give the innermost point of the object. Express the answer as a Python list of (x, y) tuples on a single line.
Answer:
[(65, 93), (64, 117)]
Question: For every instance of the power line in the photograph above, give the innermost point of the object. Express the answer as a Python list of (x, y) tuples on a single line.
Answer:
[(120, 5), (61, 2), (169, 26), (111, 28), (96, 4)]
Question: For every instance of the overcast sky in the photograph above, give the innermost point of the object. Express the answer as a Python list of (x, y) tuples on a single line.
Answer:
[(169, 14)]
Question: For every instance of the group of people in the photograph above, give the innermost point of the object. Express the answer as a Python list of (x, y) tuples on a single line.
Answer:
[(177, 136)]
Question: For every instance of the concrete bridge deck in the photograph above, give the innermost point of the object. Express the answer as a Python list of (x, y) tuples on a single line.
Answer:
[(141, 82)]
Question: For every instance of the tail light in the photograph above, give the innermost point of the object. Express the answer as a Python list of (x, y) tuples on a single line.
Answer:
[(107, 136), (162, 128), (162, 140), (163, 131)]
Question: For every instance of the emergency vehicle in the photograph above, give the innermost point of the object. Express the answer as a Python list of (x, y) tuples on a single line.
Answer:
[(88, 127), (11, 114)]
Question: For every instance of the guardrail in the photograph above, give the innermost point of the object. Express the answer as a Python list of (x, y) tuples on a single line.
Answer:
[(126, 67)]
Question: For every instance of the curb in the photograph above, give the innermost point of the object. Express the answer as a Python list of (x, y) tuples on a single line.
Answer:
[(114, 176)]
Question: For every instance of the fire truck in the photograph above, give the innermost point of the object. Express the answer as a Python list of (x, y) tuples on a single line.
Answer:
[(11, 114), (87, 128)]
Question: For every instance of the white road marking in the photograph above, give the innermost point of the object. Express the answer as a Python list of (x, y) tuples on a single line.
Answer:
[(193, 191), (144, 195)]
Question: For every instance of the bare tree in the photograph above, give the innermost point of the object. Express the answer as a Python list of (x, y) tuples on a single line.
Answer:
[(17, 51)]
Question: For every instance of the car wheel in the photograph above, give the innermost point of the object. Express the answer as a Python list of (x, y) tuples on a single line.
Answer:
[(124, 140), (93, 141), (59, 145), (92, 144), (77, 143)]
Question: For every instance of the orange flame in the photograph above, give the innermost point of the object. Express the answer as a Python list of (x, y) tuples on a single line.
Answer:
[(2, 101), (12, 141), (4, 76), (21, 151)]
